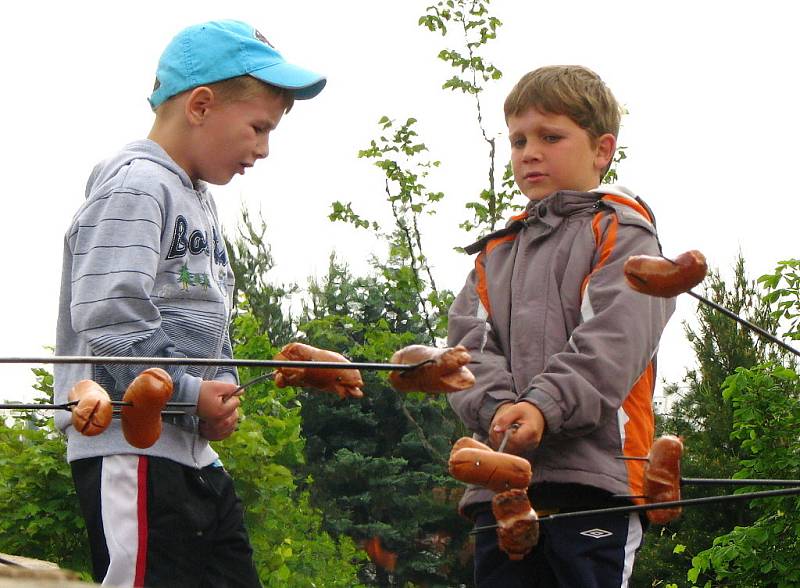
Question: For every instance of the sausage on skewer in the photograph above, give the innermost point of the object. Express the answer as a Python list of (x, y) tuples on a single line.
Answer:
[(445, 372), (92, 415), (345, 383), (665, 278), (147, 394)]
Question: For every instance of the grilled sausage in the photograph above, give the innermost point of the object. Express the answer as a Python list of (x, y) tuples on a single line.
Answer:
[(662, 478), (497, 471), (147, 393), (665, 278), (344, 382), (92, 415), (446, 372)]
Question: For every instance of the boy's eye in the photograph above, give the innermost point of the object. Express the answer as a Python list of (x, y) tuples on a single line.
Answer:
[(551, 138), (518, 142), (259, 130)]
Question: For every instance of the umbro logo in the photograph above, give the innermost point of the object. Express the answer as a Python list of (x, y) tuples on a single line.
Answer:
[(597, 533)]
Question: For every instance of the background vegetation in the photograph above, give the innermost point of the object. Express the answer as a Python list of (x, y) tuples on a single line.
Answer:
[(323, 478)]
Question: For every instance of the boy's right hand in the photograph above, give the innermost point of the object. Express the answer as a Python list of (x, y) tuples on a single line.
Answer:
[(217, 409), (531, 427)]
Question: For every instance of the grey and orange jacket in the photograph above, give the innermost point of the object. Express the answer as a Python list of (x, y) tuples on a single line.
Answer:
[(548, 319)]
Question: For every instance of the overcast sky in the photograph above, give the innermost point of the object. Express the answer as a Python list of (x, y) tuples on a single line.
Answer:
[(712, 131)]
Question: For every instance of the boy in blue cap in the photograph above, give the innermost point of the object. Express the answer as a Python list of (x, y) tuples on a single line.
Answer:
[(146, 274)]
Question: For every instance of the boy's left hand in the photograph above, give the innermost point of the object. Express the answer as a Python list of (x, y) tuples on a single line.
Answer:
[(531, 427)]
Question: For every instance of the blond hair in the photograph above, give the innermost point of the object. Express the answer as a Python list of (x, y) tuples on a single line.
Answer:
[(239, 88), (246, 87), (572, 90)]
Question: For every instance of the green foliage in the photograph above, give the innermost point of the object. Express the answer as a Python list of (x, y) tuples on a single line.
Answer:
[(478, 27), (39, 513), (475, 27), (783, 293), (705, 422), (766, 404), (379, 463), (611, 175), (406, 270), (251, 256), (291, 549)]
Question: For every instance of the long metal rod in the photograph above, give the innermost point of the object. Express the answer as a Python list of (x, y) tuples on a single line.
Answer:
[(203, 361), (736, 482), (746, 323), (658, 505)]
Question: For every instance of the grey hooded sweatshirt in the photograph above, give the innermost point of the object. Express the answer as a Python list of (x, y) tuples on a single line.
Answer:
[(145, 274)]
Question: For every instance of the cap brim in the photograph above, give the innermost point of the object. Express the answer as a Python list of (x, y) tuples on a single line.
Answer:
[(303, 83)]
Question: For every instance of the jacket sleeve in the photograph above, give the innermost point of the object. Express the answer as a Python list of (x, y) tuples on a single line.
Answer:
[(116, 243), (469, 325), (585, 384)]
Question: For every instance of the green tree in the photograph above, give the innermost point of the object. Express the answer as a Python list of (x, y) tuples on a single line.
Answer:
[(765, 401), (379, 463), (766, 407), (39, 513), (40, 517), (291, 548), (705, 422)]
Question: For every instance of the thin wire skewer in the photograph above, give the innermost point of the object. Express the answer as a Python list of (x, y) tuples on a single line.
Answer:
[(658, 505), (736, 482), (219, 362), (732, 315)]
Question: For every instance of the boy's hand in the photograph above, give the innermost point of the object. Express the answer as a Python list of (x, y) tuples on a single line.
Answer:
[(531, 427), (217, 409)]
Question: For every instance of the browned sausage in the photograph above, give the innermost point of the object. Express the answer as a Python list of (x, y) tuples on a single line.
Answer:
[(468, 442), (147, 393), (344, 382), (517, 523), (662, 478), (447, 371), (92, 415), (497, 471), (658, 276)]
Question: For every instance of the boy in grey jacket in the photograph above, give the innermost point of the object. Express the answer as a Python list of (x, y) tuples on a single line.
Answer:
[(561, 347), (146, 273)]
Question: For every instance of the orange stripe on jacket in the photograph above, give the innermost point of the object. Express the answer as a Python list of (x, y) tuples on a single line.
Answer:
[(638, 405), (480, 268), (639, 430), (605, 247), (630, 204)]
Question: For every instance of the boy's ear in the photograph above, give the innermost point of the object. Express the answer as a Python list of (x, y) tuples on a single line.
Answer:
[(198, 104), (606, 145)]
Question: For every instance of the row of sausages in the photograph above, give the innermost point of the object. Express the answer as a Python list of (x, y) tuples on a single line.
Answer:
[(510, 475), (148, 394)]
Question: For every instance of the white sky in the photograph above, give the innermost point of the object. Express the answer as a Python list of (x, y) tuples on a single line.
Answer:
[(712, 134)]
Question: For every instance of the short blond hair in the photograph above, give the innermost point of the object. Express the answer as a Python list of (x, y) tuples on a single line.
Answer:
[(247, 87), (572, 90), (238, 88)]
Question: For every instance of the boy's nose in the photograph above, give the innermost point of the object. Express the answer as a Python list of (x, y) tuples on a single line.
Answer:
[(531, 153), (262, 149)]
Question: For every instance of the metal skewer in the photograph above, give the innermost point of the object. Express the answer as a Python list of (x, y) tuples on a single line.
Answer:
[(657, 506), (736, 482), (732, 315), (506, 436), (203, 361)]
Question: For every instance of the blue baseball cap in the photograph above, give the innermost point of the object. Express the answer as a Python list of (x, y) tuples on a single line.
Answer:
[(222, 49)]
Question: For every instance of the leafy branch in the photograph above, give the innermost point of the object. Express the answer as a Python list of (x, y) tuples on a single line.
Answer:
[(471, 18)]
